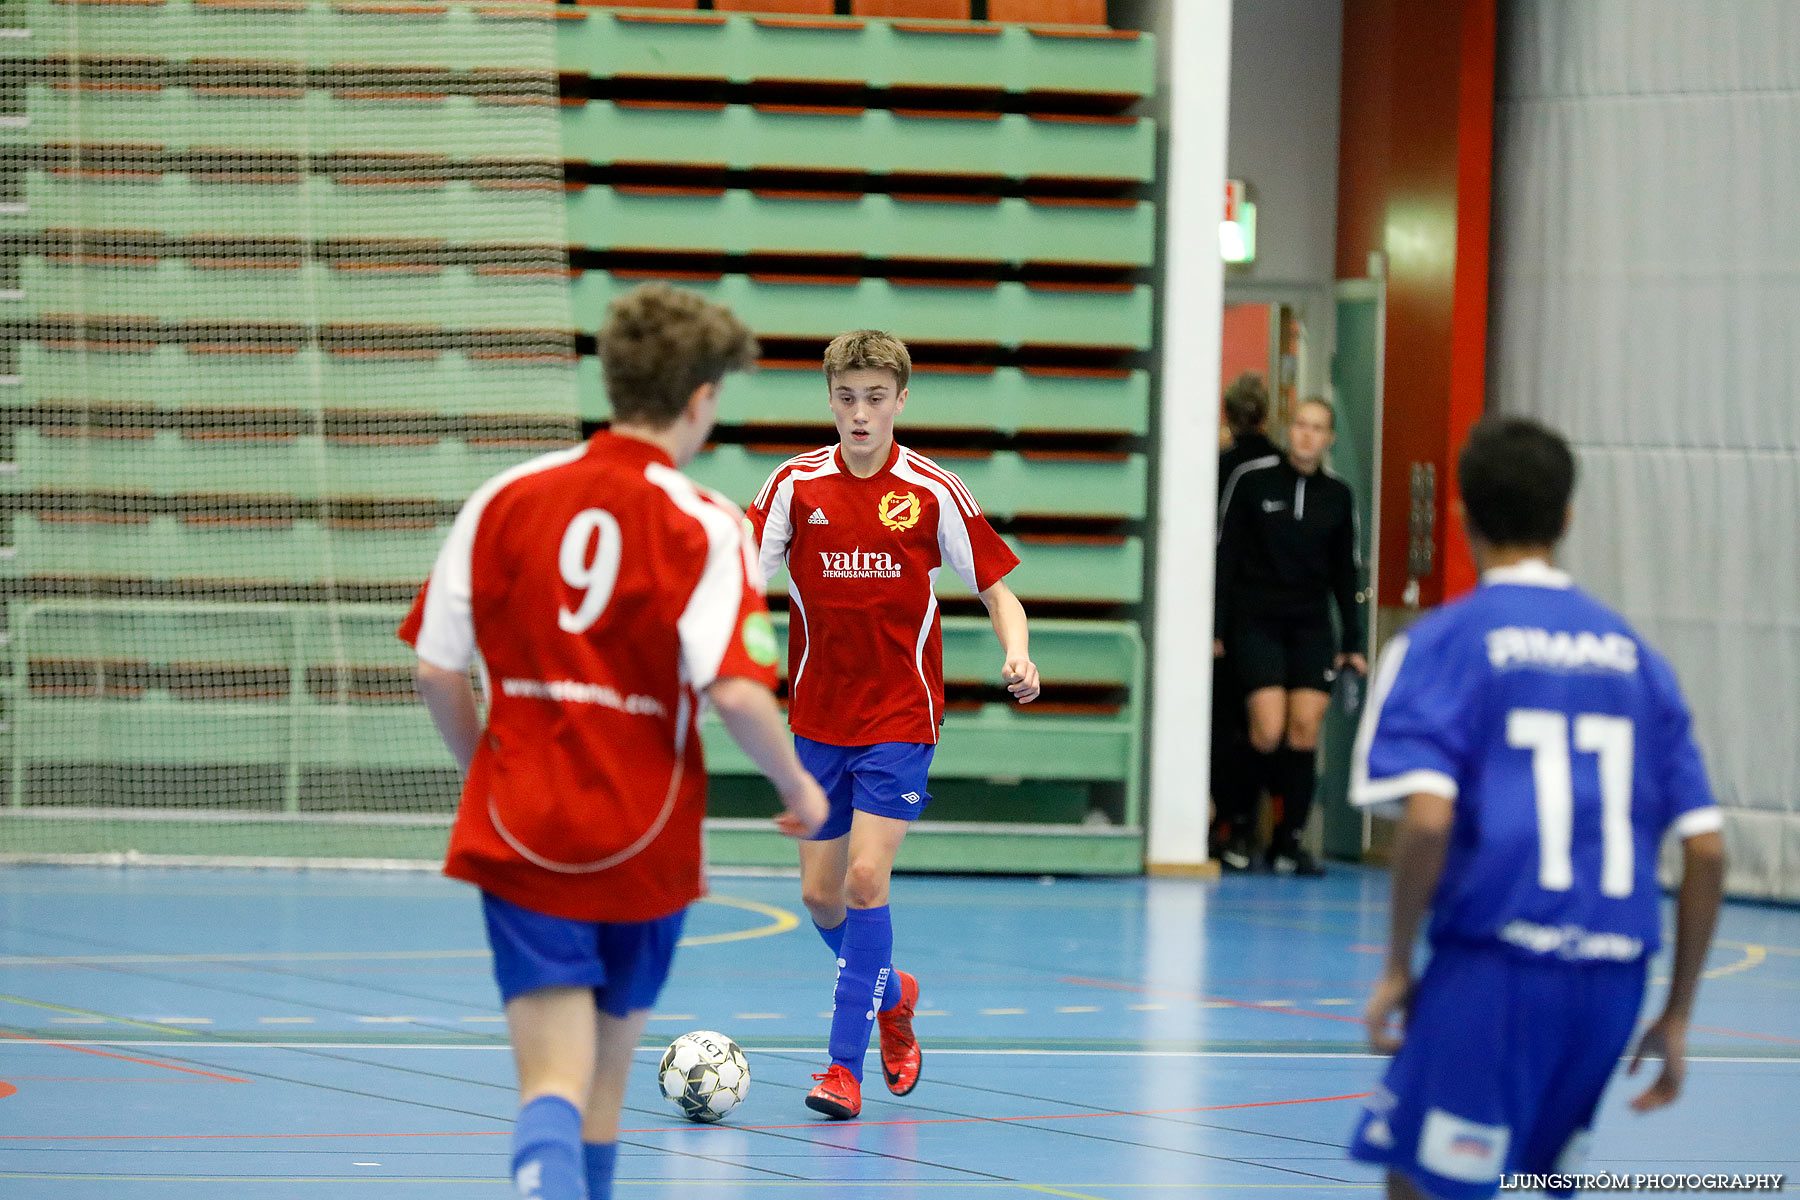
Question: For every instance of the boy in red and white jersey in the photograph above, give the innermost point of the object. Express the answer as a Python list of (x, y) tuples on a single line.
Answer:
[(607, 594), (864, 528)]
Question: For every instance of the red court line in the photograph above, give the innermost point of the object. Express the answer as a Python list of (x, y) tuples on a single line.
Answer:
[(1253, 1007), (229, 1137), (223, 1137), (142, 1062), (1761, 1037)]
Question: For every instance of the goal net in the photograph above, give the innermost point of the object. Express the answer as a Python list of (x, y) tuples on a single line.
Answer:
[(281, 282)]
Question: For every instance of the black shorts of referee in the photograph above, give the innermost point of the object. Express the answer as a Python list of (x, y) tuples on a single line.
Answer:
[(1272, 652)]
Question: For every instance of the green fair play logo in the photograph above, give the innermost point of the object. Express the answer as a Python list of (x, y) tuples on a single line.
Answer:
[(759, 639)]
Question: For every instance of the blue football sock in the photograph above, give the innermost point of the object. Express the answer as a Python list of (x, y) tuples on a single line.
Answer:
[(864, 979), (834, 938), (599, 1158), (546, 1155)]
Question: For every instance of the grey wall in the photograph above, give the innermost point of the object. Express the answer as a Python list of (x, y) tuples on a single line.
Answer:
[(1286, 60)]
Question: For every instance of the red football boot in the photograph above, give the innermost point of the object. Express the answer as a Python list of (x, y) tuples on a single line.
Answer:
[(900, 1054), (838, 1095)]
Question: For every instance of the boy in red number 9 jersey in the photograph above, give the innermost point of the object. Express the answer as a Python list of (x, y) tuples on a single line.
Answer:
[(864, 529), (607, 594)]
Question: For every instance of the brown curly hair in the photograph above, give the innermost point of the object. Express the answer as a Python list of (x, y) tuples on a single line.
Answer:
[(659, 343)]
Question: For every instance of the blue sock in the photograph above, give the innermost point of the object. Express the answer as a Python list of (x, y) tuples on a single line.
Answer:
[(599, 1158), (864, 979), (834, 938), (546, 1151)]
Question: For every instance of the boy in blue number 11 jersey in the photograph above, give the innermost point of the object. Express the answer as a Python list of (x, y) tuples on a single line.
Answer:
[(1541, 750)]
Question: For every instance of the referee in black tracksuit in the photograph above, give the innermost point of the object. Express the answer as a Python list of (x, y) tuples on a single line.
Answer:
[(1235, 781), (1287, 549)]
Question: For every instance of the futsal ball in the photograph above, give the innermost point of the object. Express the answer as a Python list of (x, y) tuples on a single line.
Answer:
[(704, 1075)]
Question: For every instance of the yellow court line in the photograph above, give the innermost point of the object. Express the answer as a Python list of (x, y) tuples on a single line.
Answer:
[(1047, 1190), (781, 920), (1753, 957), (1789, 951), (84, 1012)]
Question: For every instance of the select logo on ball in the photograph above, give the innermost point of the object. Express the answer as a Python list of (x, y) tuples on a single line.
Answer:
[(704, 1074)]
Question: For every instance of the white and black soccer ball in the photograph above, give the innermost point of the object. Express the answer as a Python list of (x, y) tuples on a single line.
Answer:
[(704, 1074)]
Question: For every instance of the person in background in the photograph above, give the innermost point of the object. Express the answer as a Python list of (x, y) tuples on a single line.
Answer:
[(1287, 551), (1235, 783)]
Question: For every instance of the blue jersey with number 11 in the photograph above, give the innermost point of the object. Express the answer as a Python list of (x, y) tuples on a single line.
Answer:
[(1565, 744)]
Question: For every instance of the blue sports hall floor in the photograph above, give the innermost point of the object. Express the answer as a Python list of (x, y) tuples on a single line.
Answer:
[(208, 1033)]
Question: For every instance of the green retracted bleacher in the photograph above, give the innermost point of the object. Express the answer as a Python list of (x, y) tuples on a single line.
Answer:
[(887, 54), (173, 377), (113, 682), (980, 191), (1002, 399), (1009, 229), (222, 484), (1008, 313), (839, 138)]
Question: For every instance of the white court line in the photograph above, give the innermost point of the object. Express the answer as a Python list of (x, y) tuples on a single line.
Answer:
[(961, 1051)]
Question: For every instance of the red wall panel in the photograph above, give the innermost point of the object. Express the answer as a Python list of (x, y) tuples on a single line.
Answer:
[(1414, 181)]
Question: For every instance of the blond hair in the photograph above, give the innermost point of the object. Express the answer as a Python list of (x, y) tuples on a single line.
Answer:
[(870, 350), (660, 343)]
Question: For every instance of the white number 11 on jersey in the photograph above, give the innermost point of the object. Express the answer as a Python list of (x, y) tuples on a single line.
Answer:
[(595, 579), (1546, 734)]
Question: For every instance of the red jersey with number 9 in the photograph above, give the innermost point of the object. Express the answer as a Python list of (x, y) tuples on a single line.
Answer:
[(603, 590)]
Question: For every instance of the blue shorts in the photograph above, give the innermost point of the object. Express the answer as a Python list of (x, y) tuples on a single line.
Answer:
[(1503, 1064), (887, 779), (624, 963)]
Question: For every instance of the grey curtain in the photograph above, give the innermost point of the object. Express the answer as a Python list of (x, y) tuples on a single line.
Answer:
[(1646, 300)]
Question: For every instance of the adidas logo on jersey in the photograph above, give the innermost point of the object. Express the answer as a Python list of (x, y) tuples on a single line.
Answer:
[(817, 518)]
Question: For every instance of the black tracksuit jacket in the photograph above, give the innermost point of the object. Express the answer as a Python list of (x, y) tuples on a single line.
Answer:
[(1287, 542)]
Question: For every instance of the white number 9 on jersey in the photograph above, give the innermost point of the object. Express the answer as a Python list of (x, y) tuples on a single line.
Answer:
[(595, 578)]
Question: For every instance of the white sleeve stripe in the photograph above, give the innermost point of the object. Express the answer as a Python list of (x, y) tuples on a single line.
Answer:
[(777, 531), (793, 464), (1255, 464), (964, 498), (1380, 791), (446, 628), (1387, 667), (1697, 821), (709, 618), (953, 534)]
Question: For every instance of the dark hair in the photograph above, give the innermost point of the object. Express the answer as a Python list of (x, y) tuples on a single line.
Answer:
[(659, 343), (1246, 403), (1516, 478)]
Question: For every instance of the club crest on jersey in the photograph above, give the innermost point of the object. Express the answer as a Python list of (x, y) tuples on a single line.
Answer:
[(899, 511), (858, 564)]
